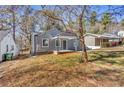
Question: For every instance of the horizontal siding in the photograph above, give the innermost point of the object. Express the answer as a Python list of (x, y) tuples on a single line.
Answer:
[(90, 41), (8, 40), (39, 48)]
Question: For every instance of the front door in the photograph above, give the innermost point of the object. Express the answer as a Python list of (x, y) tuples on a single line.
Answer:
[(64, 44)]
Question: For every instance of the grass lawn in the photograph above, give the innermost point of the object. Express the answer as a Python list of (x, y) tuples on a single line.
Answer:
[(104, 69)]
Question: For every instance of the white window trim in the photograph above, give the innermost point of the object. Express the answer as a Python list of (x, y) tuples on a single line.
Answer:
[(42, 42), (59, 42)]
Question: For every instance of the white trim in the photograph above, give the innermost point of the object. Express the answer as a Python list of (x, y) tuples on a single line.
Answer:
[(94, 47), (59, 42), (66, 44), (75, 44), (42, 42), (65, 37)]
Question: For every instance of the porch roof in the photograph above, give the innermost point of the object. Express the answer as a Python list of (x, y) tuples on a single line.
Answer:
[(104, 36), (64, 37), (110, 36)]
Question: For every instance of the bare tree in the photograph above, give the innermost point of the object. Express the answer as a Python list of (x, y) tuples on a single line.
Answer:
[(81, 31), (26, 25), (77, 12), (10, 12)]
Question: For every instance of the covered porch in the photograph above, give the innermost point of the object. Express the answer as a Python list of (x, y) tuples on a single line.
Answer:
[(109, 42), (65, 44)]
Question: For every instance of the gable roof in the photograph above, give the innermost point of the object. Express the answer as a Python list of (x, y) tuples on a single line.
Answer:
[(67, 34), (3, 34), (55, 32), (52, 32)]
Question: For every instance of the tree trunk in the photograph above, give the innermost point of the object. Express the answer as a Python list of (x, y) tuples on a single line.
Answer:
[(30, 46), (84, 50), (81, 31), (13, 20), (13, 14)]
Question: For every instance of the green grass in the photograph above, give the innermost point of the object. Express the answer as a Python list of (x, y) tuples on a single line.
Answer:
[(104, 69)]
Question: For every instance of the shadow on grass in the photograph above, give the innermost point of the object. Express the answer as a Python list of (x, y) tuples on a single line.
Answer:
[(107, 71), (110, 76), (107, 57), (22, 57)]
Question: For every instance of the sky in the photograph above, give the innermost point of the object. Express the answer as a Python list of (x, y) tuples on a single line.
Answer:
[(98, 8), (36, 7)]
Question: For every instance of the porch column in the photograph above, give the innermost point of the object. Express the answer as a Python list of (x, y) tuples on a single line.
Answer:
[(32, 44), (101, 42), (58, 43), (57, 47), (76, 44)]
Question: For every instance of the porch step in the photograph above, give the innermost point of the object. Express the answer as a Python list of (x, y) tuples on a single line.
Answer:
[(62, 52)]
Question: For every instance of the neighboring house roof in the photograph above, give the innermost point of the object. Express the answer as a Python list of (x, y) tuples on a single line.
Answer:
[(3, 34), (109, 35), (105, 35)]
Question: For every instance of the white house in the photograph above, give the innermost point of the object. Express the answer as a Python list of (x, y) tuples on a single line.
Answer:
[(121, 33), (95, 41), (7, 44)]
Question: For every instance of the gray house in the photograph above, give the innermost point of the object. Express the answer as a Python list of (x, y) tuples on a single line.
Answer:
[(54, 40)]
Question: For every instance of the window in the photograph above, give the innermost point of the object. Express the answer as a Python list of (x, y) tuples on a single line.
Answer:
[(57, 42), (45, 42)]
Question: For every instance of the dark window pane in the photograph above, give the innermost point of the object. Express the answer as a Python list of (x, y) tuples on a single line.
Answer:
[(45, 42), (57, 42)]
